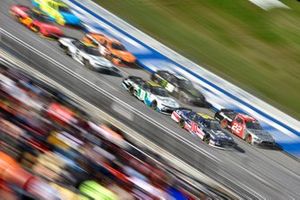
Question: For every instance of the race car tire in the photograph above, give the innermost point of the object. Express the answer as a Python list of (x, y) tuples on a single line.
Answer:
[(35, 29), (67, 51), (183, 98), (131, 91), (153, 78), (87, 64), (154, 105), (206, 139), (181, 123), (224, 123), (248, 139)]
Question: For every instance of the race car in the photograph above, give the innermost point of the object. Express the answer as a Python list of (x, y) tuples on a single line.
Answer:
[(57, 11), (245, 127), (179, 87), (203, 126), (151, 94), (111, 48), (87, 55), (36, 22)]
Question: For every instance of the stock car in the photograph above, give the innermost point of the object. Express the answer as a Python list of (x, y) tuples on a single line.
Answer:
[(151, 94), (179, 87), (203, 126), (111, 48), (36, 22), (87, 55), (245, 127), (58, 11)]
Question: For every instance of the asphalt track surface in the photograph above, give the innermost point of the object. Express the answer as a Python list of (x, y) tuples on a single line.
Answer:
[(254, 173)]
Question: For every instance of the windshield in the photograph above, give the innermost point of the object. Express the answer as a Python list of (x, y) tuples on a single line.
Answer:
[(41, 18), (92, 51), (118, 46), (253, 125), (160, 92), (64, 9)]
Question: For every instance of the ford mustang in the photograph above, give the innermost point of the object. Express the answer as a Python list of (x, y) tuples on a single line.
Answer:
[(179, 87), (204, 127), (36, 22), (89, 56), (110, 48), (57, 11), (245, 127)]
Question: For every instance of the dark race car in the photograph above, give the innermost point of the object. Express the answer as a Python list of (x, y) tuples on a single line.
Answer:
[(179, 87), (204, 127), (37, 22), (245, 127)]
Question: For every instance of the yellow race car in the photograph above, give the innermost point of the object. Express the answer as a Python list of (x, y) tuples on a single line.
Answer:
[(58, 11)]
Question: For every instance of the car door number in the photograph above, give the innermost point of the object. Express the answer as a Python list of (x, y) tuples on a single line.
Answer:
[(194, 127), (237, 127)]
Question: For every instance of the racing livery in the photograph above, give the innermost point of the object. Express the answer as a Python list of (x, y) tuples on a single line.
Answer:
[(36, 22), (203, 126), (89, 56), (111, 48), (179, 87), (245, 127), (57, 11), (151, 94)]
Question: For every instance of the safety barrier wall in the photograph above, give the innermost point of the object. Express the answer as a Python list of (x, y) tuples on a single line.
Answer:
[(152, 55)]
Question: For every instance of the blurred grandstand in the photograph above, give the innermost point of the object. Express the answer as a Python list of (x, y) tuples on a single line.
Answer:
[(51, 149)]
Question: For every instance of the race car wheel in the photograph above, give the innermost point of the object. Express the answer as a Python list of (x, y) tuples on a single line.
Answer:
[(224, 123), (206, 139), (154, 105), (67, 51), (183, 98), (153, 78), (181, 123), (35, 28), (131, 90), (87, 64), (248, 139)]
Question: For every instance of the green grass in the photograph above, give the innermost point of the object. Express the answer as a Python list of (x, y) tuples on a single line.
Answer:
[(255, 49)]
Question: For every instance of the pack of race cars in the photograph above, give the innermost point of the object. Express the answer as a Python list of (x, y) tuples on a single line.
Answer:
[(101, 53)]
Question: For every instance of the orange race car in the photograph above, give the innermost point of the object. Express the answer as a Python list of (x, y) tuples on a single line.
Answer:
[(110, 48), (36, 22)]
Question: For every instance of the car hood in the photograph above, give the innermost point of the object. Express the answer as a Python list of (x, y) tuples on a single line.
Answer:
[(219, 134), (261, 134), (102, 61), (168, 101), (124, 55), (70, 18)]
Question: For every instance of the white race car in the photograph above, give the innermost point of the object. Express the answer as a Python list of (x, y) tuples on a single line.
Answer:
[(89, 56), (151, 94)]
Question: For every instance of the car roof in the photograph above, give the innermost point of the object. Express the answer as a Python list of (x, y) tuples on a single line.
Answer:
[(97, 35), (246, 117), (176, 75)]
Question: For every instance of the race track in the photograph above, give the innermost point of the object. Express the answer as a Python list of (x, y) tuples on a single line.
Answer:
[(254, 173)]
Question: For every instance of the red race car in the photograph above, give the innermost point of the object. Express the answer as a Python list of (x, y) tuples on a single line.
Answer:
[(35, 21)]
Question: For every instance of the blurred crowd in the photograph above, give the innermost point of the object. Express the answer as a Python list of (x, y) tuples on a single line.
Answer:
[(51, 149)]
